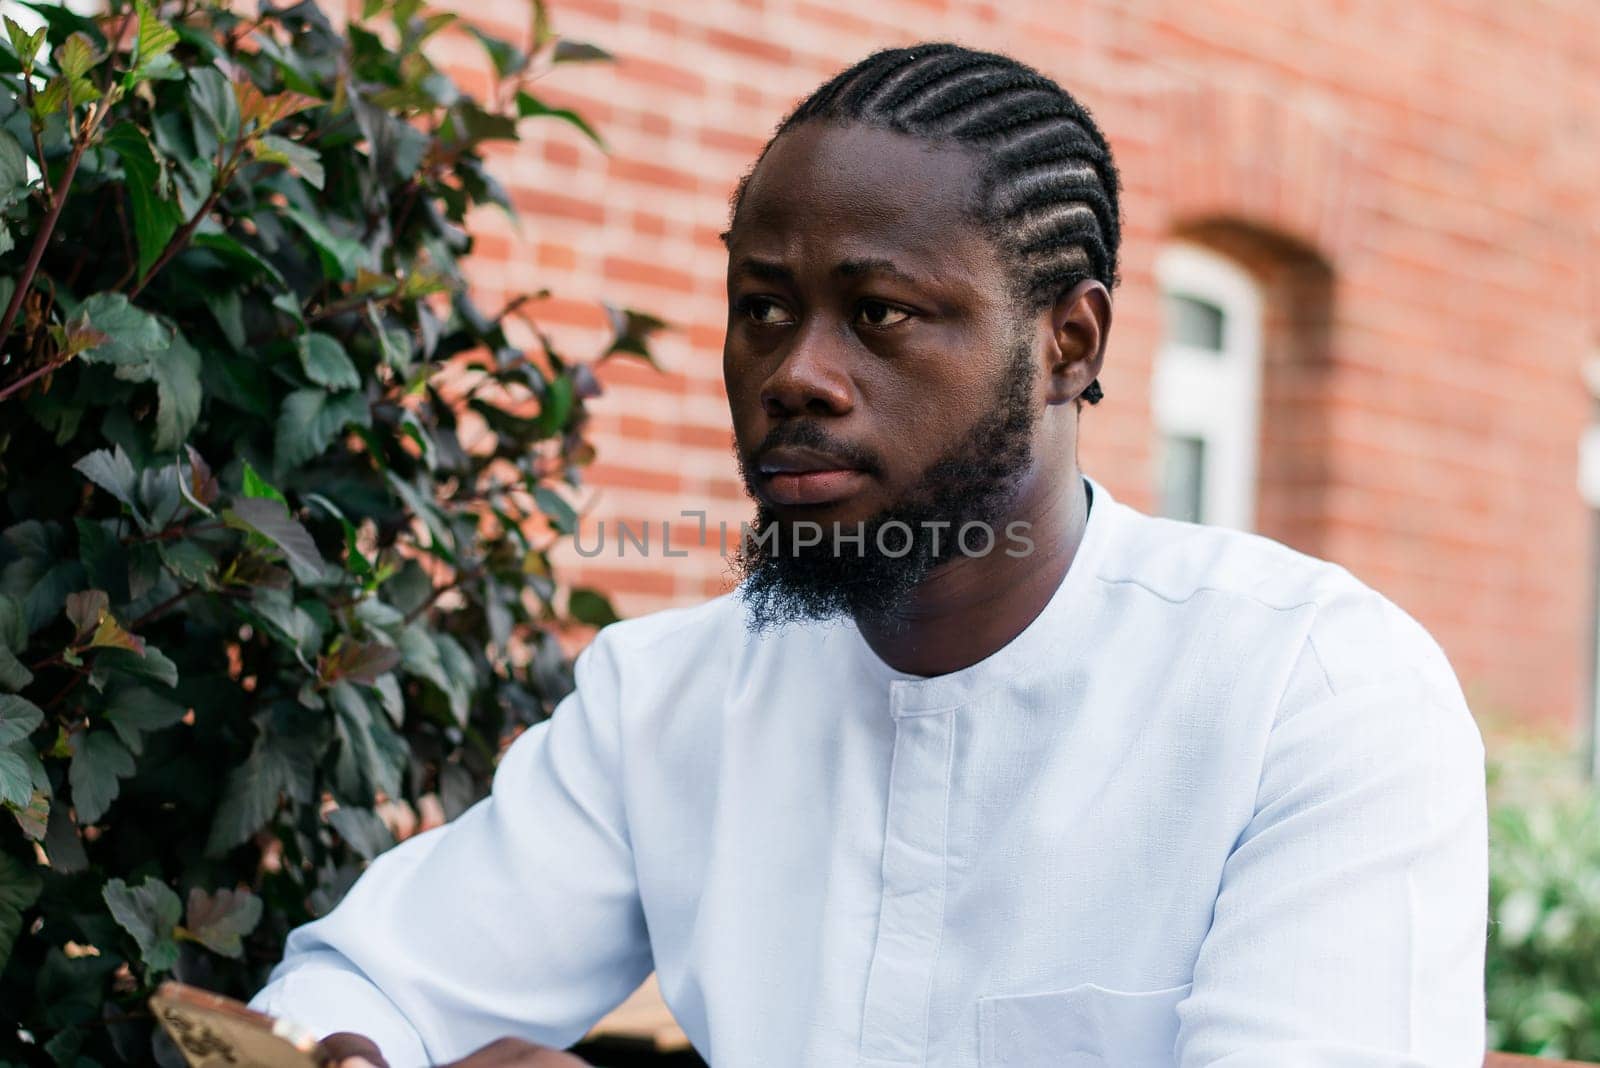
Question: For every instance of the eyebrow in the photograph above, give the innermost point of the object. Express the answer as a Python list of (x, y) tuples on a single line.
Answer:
[(769, 271)]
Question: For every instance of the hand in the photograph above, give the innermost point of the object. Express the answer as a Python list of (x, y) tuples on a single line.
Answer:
[(349, 1050), (515, 1053)]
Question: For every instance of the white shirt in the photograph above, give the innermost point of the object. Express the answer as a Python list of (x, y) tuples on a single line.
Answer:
[(1219, 804)]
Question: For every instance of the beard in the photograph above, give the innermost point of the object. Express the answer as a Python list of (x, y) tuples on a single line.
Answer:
[(876, 574)]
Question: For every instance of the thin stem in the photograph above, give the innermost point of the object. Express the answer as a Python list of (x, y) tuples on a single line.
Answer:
[(181, 238), (162, 607), (38, 372), (79, 675), (438, 592), (38, 142), (37, 252)]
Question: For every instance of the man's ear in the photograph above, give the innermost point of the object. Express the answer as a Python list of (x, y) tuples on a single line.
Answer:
[(1080, 321)]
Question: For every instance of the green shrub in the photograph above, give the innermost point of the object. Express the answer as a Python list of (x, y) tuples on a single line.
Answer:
[(275, 496), (1543, 970)]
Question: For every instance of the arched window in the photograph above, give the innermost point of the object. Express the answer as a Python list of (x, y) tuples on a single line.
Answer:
[(1206, 389)]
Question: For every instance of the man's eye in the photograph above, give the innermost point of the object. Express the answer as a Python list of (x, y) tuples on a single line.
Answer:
[(763, 311), (877, 313)]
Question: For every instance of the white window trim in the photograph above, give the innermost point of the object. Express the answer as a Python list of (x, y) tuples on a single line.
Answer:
[(1214, 396)]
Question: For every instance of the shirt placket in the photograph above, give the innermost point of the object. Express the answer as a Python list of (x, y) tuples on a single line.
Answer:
[(911, 907)]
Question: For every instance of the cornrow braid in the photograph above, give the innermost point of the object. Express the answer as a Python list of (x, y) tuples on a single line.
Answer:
[(1048, 189)]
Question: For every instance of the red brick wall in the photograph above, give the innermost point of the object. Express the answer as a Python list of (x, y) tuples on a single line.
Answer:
[(1417, 187)]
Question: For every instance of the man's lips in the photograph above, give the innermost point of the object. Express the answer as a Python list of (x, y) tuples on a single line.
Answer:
[(798, 476), (814, 487)]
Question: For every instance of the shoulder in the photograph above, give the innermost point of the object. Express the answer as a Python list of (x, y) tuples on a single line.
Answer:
[(1347, 634)]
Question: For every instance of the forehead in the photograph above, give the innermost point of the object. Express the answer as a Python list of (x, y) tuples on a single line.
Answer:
[(825, 187)]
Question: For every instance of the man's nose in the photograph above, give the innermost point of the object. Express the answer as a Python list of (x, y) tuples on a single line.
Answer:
[(811, 378)]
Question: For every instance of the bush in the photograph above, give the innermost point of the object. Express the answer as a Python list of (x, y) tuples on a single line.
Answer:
[(275, 496), (1543, 972)]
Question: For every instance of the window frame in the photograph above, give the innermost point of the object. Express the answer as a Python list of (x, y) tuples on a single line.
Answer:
[(1213, 395)]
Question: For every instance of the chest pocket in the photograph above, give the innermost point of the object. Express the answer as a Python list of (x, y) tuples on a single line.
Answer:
[(1087, 1026)]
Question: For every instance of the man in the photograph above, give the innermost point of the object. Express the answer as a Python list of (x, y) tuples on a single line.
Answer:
[(1111, 790)]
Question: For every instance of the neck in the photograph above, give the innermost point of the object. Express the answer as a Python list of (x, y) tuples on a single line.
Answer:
[(971, 607)]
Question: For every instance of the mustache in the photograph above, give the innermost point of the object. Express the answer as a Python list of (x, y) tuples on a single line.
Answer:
[(812, 436)]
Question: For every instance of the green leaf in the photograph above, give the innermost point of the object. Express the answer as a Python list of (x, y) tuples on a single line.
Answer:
[(422, 654), (360, 662), (270, 519), (13, 169), (505, 56), (250, 798), (309, 421), (631, 331), (135, 711), (85, 609), (393, 343), (220, 921), (16, 781), (99, 761), (277, 610), (325, 361), (19, 889), (231, 248), (112, 471), (371, 755), (561, 514), (362, 829), (555, 407), (341, 257), (155, 216), (153, 665), (256, 486), (214, 110), (37, 572), (13, 624), (34, 819), (19, 718), (580, 52), (27, 48), (155, 40), (592, 607), (302, 159), (14, 674), (150, 913), (144, 349), (530, 106), (177, 378), (467, 124), (48, 100), (188, 560), (76, 57)]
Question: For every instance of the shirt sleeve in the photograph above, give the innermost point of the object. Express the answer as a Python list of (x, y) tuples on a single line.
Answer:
[(1350, 923), (520, 917)]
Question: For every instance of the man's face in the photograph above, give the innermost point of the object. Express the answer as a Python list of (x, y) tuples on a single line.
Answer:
[(874, 364)]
